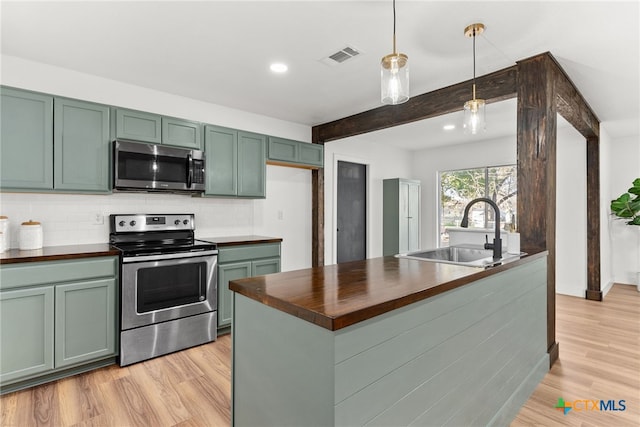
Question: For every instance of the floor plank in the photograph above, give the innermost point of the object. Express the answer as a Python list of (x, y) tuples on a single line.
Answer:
[(599, 359)]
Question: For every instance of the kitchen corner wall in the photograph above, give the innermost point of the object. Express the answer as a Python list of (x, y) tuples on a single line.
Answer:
[(70, 218)]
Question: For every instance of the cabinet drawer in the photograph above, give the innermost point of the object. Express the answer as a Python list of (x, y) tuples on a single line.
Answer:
[(49, 272), (249, 252)]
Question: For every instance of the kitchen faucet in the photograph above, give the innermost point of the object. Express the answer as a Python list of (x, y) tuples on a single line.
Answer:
[(497, 241)]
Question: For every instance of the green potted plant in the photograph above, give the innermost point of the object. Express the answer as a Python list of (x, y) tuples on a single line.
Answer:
[(627, 208)]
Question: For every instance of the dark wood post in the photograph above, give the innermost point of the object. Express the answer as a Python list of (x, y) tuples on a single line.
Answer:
[(536, 143)]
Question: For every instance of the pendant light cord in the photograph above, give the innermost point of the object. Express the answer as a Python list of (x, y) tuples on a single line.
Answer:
[(394, 27), (474, 58)]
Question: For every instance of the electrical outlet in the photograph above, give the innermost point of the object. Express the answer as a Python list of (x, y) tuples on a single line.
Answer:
[(98, 219), (280, 215)]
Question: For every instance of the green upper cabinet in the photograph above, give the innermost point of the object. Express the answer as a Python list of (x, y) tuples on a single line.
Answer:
[(236, 163), (138, 125), (147, 127), (295, 153), (221, 149), (181, 133), (252, 168), (26, 140), (81, 146)]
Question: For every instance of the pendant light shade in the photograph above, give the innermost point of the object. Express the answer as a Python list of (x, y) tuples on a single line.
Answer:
[(394, 73), (474, 109)]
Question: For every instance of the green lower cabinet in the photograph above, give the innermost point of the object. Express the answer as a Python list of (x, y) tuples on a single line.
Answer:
[(26, 332), (85, 321), (238, 262), (226, 273), (57, 318)]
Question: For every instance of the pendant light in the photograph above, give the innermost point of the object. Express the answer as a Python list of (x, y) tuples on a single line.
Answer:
[(394, 82), (474, 110)]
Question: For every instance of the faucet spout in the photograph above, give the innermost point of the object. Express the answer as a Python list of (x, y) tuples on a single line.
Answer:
[(497, 241)]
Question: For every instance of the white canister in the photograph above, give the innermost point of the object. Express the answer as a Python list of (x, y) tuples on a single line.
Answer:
[(30, 235), (5, 241), (513, 243)]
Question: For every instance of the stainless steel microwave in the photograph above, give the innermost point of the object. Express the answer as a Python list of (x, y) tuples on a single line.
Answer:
[(151, 167)]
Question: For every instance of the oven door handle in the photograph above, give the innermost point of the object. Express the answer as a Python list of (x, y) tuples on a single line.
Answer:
[(168, 257)]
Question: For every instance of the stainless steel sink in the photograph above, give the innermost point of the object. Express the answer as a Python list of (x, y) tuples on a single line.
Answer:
[(461, 255)]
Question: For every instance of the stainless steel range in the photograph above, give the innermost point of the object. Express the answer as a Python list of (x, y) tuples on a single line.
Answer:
[(167, 285)]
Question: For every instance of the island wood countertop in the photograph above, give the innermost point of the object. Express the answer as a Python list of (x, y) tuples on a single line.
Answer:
[(56, 253), (340, 295)]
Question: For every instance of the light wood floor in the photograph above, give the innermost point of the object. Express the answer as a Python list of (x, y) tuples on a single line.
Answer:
[(599, 359)]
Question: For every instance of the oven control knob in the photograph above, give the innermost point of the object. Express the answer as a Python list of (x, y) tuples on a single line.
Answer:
[(185, 222), (132, 223), (176, 222), (121, 223)]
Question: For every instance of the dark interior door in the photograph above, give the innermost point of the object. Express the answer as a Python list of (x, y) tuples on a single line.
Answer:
[(352, 212)]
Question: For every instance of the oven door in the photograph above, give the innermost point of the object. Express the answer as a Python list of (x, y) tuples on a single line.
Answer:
[(158, 288)]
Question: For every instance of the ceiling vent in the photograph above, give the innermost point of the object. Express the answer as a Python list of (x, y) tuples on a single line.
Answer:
[(341, 56)]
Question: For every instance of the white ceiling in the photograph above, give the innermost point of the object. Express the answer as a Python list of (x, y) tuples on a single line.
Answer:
[(220, 51)]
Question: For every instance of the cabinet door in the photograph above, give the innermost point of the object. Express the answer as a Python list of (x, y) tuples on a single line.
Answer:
[(312, 154), (85, 321), (283, 150), (221, 149), (403, 237), (26, 140), (81, 146), (227, 272), (413, 226), (138, 125), (26, 332), (252, 168), (265, 266), (181, 133)]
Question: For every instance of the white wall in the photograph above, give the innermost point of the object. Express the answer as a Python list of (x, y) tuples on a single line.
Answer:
[(625, 240), (571, 213), (383, 162), (67, 219), (427, 163)]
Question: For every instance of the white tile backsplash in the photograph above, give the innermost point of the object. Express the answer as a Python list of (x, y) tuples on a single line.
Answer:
[(68, 219)]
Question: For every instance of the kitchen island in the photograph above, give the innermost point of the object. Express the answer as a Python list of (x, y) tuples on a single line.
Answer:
[(389, 341)]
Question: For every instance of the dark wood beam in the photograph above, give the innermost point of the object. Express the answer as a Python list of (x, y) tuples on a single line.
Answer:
[(571, 104), (536, 147), (493, 87), (317, 218), (594, 290)]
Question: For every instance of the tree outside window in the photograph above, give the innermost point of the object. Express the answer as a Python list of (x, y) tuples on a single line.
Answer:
[(459, 187)]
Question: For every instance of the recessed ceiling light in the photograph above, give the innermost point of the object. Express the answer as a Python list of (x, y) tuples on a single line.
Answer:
[(279, 67), (449, 127)]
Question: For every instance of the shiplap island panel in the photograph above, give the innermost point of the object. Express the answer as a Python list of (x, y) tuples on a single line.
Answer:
[(389, 341)]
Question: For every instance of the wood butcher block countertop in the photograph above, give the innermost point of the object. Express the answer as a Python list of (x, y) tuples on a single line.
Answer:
[(337, 296), (56, 253)]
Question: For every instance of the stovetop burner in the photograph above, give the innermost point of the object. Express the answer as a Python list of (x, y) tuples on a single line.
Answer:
[(143, 234)]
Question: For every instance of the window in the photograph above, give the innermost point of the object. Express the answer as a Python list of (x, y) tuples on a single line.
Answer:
[(459, 187)]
